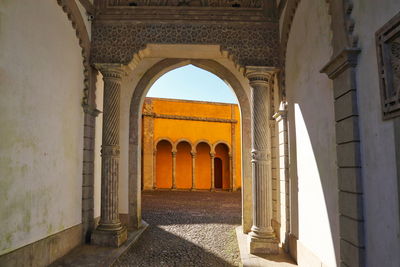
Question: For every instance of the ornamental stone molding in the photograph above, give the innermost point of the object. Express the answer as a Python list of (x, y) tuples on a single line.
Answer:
[(74, 15), (248, 44), (191, 3), (342, 25)]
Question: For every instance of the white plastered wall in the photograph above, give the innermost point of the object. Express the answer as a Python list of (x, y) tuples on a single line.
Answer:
[(41, 118), (377, 140), (312, 136)]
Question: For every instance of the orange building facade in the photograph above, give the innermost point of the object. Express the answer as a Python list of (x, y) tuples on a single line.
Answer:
[(190, 145)]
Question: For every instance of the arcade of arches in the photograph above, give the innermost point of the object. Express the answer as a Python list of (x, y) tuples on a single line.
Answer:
[(319, 153), (190, 145)]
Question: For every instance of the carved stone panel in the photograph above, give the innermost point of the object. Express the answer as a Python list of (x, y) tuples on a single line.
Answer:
[(249, 44), (388, 49), (195, 3)]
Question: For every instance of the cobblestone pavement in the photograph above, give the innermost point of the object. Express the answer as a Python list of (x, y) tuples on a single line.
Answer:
[(187, 229)]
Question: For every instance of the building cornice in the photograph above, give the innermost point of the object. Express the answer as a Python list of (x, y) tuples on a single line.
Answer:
[(188, 118)]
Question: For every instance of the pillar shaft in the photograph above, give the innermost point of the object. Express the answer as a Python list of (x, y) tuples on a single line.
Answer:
[(231, 172), (262, 237), (155, 169), (212, 156), (193, 170), (281, 119), (173, 169), (110, 232), (233, 150)]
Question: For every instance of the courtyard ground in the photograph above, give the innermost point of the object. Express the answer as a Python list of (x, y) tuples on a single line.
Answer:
[(187, 229)]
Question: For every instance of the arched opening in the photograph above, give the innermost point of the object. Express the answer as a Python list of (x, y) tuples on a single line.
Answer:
[(191, 125), (183, 166), (218, 173), (164, 166), (190, 105), (222, 154), (238, 83), (203, 166)]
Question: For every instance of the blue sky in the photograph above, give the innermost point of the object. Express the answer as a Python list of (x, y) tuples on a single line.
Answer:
[(190, 82)]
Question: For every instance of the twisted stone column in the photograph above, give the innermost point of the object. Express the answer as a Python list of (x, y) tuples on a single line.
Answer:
[(174, 170), (262, 238), (110, 232), (212, 155), (193, 153)]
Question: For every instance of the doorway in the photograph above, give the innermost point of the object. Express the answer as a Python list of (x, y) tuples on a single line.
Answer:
[(218, 173)]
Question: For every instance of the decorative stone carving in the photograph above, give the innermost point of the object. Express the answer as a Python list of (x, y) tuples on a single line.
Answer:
[(249, 44), (195, 3), (262, 237), (110, 232), (74, 15), (388, 49), (147, 107)]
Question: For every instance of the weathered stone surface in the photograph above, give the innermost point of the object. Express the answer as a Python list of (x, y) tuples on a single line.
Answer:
[(262, 237), (110, 232)]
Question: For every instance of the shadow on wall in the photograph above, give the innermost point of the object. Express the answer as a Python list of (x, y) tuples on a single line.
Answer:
[(317, 178)]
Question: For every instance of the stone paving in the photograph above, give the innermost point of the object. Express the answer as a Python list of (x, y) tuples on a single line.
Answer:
[(187, 229)]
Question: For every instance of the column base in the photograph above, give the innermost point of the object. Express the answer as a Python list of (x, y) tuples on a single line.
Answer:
[(109, 238), (259, 245)]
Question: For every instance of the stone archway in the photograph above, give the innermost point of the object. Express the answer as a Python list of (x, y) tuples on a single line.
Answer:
[(257, 201), (156, 71)]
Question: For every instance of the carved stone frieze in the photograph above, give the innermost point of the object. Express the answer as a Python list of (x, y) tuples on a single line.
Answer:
[(388, 50), (74, 15), (194, 3), (249, 44)]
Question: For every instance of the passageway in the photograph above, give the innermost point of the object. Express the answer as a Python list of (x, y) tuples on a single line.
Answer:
[(187, 229)]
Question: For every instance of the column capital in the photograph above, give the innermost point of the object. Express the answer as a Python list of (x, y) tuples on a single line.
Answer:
[(193, 153), (111, 70), (212, 155), (260, 75), (174, 153)]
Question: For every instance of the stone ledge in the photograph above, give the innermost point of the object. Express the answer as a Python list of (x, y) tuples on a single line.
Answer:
[(89, 255), (280, 260), (44, 251)]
